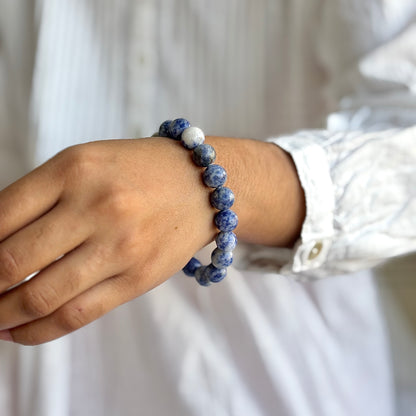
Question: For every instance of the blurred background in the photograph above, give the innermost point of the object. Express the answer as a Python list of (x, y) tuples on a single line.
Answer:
[(398, 297)]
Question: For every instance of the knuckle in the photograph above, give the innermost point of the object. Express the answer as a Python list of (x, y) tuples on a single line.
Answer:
[(72, 318), (47, 229), (117, 202), (38, 303), (73, 282), (77, 161), (101, 255), (126, 246), (9, 266), (139, 278)]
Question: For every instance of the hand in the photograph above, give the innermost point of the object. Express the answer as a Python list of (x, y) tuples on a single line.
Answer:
[(104, 222)]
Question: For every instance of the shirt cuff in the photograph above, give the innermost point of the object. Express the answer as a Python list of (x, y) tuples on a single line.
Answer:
[(310, 159)]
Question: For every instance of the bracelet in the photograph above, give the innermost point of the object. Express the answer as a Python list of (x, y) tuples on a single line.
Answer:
[(221, 198)]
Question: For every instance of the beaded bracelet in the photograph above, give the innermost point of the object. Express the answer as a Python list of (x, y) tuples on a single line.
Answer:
[(222, 198)]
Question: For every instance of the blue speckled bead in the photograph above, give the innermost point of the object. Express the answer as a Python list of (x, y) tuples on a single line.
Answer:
[(191, 267), (222, 198), (214, 274), (226, 220), (214, 176), (201, 277), (226, 241), (221, 259), (177, 126), (164, 128), (203, 155), (192, 137)]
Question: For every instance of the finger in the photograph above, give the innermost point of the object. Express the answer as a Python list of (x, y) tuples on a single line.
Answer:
[(40, 243), (54, 286), (75, 314), (28, 198)]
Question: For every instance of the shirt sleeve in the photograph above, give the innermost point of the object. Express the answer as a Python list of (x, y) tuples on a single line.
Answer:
[(358, 175)]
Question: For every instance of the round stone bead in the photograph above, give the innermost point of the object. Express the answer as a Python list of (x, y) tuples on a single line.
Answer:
[(221, 259), (164, 128), (201, 277), (177, 126), (191, 267), (226, 241), (222, 198), (214, 274), (214, 176), (203, 155), (192, 137), (226, 220)]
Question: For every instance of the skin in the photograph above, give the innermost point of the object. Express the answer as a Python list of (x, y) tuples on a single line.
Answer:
[(105, 222)]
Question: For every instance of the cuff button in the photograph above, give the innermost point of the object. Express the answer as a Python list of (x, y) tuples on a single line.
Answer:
[(314, 253)]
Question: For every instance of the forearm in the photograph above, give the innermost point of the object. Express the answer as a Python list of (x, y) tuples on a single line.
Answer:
[(269, 198)]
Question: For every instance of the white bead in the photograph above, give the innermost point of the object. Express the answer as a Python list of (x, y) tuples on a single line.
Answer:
[(192, 137)]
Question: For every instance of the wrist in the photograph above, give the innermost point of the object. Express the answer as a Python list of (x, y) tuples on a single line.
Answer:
[(270, 202)]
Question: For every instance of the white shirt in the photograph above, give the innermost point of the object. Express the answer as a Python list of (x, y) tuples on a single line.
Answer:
[(260, 343)]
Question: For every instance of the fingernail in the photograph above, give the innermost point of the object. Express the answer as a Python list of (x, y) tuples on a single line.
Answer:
[(5, 335)]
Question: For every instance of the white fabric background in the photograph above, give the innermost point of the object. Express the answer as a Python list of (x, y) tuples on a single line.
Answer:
[(259, 343)]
